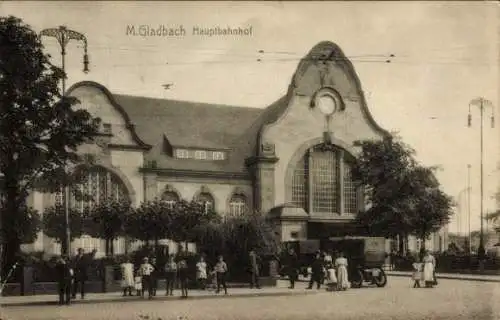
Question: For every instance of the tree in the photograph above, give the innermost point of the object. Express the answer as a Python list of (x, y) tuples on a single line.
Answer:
[(432, 206), (382, 169), (187, 219), (107, 221), (39, 128), (152, 220), (403, 196), (235, 236), (54, 223)]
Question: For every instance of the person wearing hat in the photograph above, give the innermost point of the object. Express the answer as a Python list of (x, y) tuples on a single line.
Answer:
[(64, 278), (145, 271)]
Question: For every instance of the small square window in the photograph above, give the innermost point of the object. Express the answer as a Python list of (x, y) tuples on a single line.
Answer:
[(218, 155), (106, 128), (200, 155), (181, 154), (294, 235)]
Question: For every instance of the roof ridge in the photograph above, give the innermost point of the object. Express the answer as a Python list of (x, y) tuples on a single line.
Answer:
[(198, 103)]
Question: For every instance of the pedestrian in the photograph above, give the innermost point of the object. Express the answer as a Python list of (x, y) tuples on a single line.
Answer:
[(254, 266), (417, 272), (429, 275), (182, 271), (128, 281), (64, 274), (331, 276), (170, 275), (80, 266), (317, 272), (220, 271), (155, 275), (201, 273), (341, 265), (292, 267), (145, 271)]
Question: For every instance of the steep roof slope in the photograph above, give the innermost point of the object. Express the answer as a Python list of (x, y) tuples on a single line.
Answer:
[(190, 124)]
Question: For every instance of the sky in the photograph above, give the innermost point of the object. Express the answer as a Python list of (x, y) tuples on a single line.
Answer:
[(445, 55)]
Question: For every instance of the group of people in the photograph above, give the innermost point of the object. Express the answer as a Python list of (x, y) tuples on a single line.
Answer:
[(322, 269), (71, 275), (146, 277), (424, 270)]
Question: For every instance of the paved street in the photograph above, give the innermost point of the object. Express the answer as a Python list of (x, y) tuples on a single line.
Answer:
[(453, 299)]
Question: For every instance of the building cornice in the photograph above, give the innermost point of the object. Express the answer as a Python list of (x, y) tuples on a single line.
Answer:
[(260, 159), (197, 173), (128, 147)]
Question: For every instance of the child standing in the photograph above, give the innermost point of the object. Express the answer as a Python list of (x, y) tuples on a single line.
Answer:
[(220, 271), (182, 269), (170, 275), (417, 273), (145, 271), (331, 277)]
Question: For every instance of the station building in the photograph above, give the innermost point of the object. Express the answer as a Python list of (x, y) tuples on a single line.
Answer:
[(291, 160)]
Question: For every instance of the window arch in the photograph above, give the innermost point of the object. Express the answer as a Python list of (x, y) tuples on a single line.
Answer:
[(95, 185), (322, 182), (207, 200), (170, 198), (237, 205)]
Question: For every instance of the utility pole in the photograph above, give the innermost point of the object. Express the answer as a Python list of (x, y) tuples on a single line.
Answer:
[(482, 104), (468, 207), (63, 36)]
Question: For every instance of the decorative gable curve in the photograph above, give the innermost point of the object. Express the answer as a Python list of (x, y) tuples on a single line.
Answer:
[(317, 58), (129, 125)]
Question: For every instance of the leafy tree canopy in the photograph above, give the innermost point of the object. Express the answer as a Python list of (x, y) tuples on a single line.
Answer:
[(54, 223), (40, 130), (403, 196)]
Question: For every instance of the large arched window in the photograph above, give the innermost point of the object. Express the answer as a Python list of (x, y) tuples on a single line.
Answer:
[(207, 200), (237, 205), (94, 186), (322, 182)]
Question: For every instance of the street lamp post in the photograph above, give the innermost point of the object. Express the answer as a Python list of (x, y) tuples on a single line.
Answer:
[(468, 207), (63, 36), (482, 104)]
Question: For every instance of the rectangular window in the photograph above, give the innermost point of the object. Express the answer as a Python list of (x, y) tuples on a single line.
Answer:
[(217, 155), (181, 153), (200, 155), (106, 128)]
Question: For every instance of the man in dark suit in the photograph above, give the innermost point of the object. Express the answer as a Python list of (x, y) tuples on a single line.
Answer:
[(80, 265), (292, 267), (64, 277)]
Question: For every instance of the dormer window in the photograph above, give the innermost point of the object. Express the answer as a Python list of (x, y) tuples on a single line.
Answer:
[(181, 153), (218, 155), (209, 155), (106, 128), (200, 155)]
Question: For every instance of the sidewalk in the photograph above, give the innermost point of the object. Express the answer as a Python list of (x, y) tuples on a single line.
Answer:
[(92, 298), (454, 276)]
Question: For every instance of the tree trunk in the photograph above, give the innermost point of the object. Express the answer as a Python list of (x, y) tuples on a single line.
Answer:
[(10, 215)]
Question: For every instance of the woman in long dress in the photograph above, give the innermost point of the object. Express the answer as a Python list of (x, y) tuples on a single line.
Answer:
[(429, 266), (342, 274), (127, 269)]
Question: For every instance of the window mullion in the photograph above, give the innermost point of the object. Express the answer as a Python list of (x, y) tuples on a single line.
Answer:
[(310, 182), (340, 182)]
